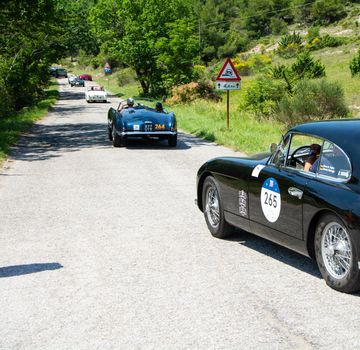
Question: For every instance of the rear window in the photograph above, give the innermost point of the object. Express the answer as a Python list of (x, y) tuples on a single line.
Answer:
[(334, 162)]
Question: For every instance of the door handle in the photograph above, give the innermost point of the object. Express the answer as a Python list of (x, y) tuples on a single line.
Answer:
[(293, 191)]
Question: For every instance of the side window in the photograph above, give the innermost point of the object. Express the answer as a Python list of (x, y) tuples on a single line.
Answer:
[(334, 162), (278, 158), (304, 152)]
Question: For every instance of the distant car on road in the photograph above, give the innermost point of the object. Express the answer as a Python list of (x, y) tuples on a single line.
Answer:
[(141, 122), (85, 77), (59, 72), (305, 195), (95, 94), (71, 77), (77, 82)]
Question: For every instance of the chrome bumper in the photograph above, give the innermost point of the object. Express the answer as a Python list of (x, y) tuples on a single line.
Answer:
[(147, 133)]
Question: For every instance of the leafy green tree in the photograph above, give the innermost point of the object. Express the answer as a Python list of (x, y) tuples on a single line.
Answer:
[(177, 53), (78, 34), (212, 30), (30, 39), (145, 21)]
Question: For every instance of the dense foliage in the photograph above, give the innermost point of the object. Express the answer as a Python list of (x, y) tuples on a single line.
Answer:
[(316, 99), (162, 42), (30, 40)]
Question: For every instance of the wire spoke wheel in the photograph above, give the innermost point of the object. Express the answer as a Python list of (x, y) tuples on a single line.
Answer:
[(212, 206), (336, 250)]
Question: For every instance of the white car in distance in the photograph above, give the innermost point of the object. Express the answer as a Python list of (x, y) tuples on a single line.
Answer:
[(95, 94)]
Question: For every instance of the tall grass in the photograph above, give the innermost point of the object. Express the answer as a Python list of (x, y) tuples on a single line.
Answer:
[(12, 126), (208, 120)]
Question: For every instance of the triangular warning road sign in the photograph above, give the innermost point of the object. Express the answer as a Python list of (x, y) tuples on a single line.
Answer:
[(228, 72)]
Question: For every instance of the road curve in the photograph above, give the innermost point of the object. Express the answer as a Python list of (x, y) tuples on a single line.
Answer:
[(103, 248)]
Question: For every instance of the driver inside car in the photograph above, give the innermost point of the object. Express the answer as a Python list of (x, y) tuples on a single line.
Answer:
[(314, 155)]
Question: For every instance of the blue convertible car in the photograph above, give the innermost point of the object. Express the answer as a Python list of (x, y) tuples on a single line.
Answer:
[(128, 121)]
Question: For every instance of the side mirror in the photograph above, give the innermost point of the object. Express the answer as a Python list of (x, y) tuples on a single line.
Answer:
[(273, 148)]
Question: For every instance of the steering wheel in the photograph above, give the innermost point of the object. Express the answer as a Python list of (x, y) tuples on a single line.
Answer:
[(293, 154)]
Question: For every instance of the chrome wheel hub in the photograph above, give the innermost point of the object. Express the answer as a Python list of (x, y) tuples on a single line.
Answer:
[(212, 209), (336, 250)]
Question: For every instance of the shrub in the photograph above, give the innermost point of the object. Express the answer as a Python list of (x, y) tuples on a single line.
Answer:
[(306, 66), (289, 45), (312, 100), (278, 26), (199, 72), (125, 76), (262, 97), (355, 64), (247, 65), (327, 11), (192, 91), (330, 41)]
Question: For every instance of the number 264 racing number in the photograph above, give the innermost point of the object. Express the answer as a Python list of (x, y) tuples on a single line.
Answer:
[(270, 199)]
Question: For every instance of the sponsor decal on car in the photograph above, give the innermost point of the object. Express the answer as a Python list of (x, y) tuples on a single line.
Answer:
[(257, 169), (159, 126), (243, 203), (270, 199)]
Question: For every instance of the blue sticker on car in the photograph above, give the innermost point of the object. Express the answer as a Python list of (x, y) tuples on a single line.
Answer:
[(270, 199)]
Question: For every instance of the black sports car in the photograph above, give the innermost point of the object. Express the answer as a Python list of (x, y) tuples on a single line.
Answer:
[(304, 194), (141, 122)]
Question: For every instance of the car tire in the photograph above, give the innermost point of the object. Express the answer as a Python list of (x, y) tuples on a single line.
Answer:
[(172, 141), (110, 136), (336, 254), (213, 210), (116, 139)]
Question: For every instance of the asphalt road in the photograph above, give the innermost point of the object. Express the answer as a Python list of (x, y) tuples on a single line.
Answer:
[(103, 248)]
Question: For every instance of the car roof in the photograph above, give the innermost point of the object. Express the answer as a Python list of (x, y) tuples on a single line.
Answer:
[(345, 133)]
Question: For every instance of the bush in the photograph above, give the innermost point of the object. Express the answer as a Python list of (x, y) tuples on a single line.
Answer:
[(289, 45), (327, 11), (278, 26), (306, 66), (199, 72), (247, 65), (192, 91), (262, 97), (312, 100), (355, 64), (125, 76), (330, 41)]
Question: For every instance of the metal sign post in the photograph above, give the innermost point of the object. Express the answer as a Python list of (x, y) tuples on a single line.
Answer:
[(228, 79), (227, 108)]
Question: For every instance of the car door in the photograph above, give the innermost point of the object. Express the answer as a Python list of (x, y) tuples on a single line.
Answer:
[(276, 192)]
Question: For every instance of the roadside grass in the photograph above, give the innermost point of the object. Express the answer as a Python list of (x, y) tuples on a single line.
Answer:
[(208, 120), (12, 126)]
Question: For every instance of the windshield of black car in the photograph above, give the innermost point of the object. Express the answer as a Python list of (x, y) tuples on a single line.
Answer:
[(279, 156)]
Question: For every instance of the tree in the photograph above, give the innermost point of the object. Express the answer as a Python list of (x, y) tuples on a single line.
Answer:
[(177, 53), (30, 39), (145, 21)]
